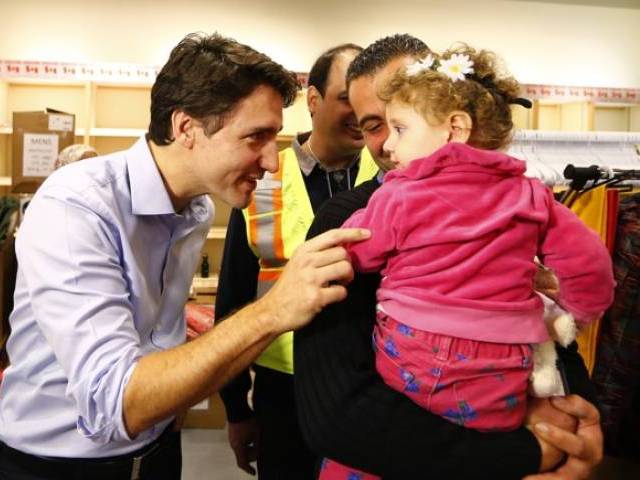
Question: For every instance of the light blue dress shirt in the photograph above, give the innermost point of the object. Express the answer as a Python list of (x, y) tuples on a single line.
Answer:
[(105, 266)]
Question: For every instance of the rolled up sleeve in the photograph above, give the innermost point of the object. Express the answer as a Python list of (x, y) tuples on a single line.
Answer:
[(69, 256)]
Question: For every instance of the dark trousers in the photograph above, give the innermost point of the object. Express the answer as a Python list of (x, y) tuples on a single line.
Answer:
[(162, 462), (283, 455)]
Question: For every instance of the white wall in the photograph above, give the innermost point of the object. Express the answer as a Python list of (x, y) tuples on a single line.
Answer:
[(542, 42)]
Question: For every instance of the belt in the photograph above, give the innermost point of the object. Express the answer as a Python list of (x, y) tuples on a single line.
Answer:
[(127, 466)]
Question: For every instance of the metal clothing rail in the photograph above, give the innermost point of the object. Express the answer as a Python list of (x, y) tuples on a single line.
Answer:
[(547, 153), (583, 179)]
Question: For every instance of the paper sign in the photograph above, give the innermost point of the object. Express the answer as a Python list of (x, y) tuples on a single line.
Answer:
[(60, 123), (203, 405), (40, 153)]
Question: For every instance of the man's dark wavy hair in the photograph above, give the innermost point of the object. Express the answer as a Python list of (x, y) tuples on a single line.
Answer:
[(206, 76), (382, 51)]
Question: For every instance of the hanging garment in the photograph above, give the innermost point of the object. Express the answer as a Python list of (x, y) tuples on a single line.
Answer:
[(613, 203), (591, 207), (617, 372)]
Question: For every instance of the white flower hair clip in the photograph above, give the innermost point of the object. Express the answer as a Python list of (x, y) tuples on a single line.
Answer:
[(456, 66), (420, 65)]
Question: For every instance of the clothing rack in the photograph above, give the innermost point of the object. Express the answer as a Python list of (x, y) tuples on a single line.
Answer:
[(548, 153), (593, 176)]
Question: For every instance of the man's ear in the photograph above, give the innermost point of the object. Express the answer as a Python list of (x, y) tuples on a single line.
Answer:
[(182, 127), (460, 125), (313, 99)]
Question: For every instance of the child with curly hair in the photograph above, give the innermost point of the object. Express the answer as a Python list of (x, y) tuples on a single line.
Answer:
[(455, 229)]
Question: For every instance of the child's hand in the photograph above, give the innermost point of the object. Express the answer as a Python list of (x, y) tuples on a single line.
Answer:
[(546, 282)]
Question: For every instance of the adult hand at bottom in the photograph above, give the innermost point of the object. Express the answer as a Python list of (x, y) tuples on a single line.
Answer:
[(584, 448), (541, 411)]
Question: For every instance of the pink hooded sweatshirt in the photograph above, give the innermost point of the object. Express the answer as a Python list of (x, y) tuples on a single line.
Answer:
[(455, 234)]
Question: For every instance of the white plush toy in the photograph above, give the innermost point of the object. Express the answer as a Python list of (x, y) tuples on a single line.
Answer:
[(545, 380)]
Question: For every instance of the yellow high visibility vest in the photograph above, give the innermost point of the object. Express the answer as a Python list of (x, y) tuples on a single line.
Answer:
[(277, 221)]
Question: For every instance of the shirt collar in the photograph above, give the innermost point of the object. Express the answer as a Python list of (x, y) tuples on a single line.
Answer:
[(308, 162), (148, 193)]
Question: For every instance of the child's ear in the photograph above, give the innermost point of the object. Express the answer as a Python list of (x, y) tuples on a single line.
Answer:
[(460, 124)]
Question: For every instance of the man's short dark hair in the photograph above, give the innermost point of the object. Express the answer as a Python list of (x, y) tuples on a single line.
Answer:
[(382, 51), (206, 76), (319, 73)]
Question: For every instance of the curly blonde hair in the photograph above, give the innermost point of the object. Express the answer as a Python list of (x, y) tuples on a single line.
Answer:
[(484, 95)]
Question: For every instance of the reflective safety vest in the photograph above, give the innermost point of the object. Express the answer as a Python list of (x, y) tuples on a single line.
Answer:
[(277, 221)]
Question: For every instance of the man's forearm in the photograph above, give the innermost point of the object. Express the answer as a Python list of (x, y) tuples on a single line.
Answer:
[(166, 382)]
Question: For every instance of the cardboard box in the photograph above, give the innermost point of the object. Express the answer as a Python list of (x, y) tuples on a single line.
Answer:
[(207, 414), (38, 137)]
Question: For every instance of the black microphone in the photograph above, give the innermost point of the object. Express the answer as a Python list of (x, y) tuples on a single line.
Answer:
[(582, 174)]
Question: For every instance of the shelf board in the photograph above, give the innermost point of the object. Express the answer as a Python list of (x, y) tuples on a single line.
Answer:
[(285, 138), (40, 82), (9, 130), (117, 132), (207, 285), (140, 85), (217, 233), (614, 105), (5, 181)]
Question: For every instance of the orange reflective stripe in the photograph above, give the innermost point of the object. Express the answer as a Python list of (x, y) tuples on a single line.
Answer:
[(269, 275)]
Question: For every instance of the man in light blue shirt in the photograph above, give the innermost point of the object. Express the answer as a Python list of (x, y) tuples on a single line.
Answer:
[(106, 253)]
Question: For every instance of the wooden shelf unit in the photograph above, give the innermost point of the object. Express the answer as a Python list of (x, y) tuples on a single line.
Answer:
[(578, 116), (111, 117)]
